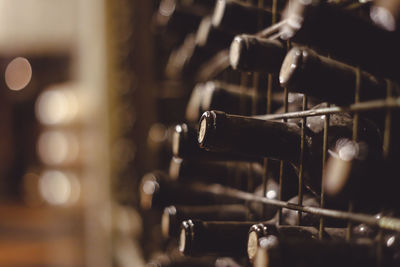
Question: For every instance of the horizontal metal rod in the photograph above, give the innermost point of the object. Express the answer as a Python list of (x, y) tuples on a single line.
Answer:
[(387, 223), (389, 103)]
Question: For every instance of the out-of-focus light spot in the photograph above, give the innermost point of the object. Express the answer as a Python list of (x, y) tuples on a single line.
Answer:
[(56, 147), (157, 134), (18, 74), (55, 187), (56, 106), (383, 18), (390, 241), (271, 194)]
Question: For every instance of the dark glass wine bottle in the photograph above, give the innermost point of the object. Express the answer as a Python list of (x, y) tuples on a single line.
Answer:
[(304, 71), (241, 175), (249, 136), (173, 216), (343, 35), (158, 191), (230, 173), (179, 57), (185, 145), (214, 238), (179, 19), (256, 54), (229, 98), (238, 17), (209, 36)]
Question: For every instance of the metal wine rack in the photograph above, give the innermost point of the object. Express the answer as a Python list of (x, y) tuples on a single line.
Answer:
[(384, 223)]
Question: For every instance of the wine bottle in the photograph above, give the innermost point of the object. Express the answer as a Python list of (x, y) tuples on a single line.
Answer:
[(158, 191), (229, 98), (185, 145), (159, 143), (214, 238), (221, 132), (313, 253), (176, 18), (209, 36), (235, 174), (179, 57), (173, 216), (304, 71), (221, 172), (343, 35), (259, 233), (237, 17), (256, 54), (386, 14)]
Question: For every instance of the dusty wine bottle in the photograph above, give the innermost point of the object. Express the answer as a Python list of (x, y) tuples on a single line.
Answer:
[(185, 145), (256, 54), (227, 13), (249, 136), (304, 71), (214, 238), (350, 38), (229, 98), (173, 216), (176, 18), (158, 191), (229, 173), (208, 35), (179, 57)]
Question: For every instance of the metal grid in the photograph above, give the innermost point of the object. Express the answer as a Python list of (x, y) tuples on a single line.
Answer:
[(388, 104), (220, 63)]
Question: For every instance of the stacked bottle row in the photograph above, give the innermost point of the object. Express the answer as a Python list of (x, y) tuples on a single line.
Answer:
[(233, 165)]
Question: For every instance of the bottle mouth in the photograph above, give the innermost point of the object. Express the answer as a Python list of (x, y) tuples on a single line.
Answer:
[(167, 221), (203, 31), (206, 128), (252, 245), (218, 14), (202, 130), (185, 236), (290, 66), (236, 49), (178, 140), (382, 17), (148, 188)]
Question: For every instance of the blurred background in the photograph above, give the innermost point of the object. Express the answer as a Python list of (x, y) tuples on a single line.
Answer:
[(75, 107)]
